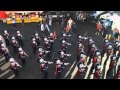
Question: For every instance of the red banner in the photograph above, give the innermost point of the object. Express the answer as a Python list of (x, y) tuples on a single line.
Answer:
[(3, 15)]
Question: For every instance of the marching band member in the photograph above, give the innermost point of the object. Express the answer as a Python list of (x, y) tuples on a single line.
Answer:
[(6, 37), (14, 66), (14, 44), (22, 55), (59, 67), (98, 72), (19, 37), (44, 67), (34, 45), (37, 38)]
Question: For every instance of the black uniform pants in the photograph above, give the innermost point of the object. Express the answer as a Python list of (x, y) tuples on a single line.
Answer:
[(20, 42), (7, 42), (102, 54), (6, 57), (23, 60), (34, 50), (115, 50), (38, 42), (58, 76), (48, 55), (15, 71), (64, 50), (15, 49), (82, 75), (118, 56), (51, 46), (89, 61), (44, 74), (73, 29), (111, 73), (93, 67)]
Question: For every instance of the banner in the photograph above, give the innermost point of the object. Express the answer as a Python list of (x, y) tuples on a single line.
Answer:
[(3, 15)]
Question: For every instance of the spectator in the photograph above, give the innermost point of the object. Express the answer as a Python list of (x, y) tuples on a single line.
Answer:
[(116, 34), (67, 28), (98, 28), (50, 21), (42, 27), (14, 22), (47, 27)]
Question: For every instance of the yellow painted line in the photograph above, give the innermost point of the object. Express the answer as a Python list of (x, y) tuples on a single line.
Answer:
[(74, 72), (103, 61), (87, 73), (1, 59), (11, 77), (70, 69), (92, 75), (107, 67), (5, 66), (7, 71)]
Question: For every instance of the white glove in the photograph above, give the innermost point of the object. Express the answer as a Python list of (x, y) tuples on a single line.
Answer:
[(69, 44), (51, 40), (66, 63), (69, 35), (50, 62), (47, 51), (68, 54)]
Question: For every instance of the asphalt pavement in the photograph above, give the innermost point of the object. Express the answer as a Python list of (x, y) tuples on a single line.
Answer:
[(31, 70)]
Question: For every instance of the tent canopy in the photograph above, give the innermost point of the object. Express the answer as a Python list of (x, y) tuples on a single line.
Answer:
[(115, 18)]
